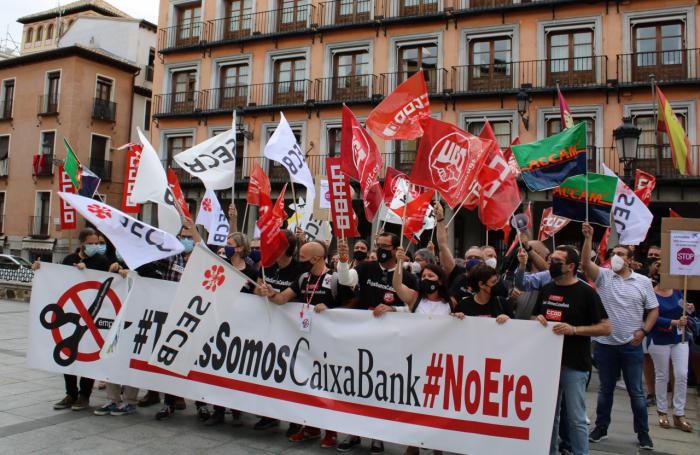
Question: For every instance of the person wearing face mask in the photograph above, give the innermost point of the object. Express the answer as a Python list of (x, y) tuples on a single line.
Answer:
[(359, 253), (482, 279), (255, 255), (90, 255), (625, 295), (317, 286), (575, 311), (423, 257)]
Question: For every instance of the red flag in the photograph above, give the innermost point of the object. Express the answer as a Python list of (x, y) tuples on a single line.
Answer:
[(644, 184), (398, 116), (495, 191), (279, 211), (273, 242), (361, 160), (449, 160), (258, 187), (344, 219), (133, 157), (673, 214), (528, 212), (391, 181), (603, 247), (38, 163), (415, 214), (508, 155), (177, 192), (68, 214), (551, 224), (567, 120)]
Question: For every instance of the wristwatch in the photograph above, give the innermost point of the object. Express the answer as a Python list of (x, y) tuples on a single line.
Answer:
[(644, 330)]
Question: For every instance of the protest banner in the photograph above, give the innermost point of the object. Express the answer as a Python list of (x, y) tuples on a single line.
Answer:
[(133, 158), (68, 214), (404, 378)]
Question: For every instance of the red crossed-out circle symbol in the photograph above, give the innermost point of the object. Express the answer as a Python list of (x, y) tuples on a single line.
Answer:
[(73, 295), (206, 205), (213, 278), (100, 211), (685, 256)]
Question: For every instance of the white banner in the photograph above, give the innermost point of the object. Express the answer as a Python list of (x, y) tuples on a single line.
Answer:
[(404, 378), (631, 216), (685, 253), (136, 241), (283, 148), (212, 161), (213, 218)]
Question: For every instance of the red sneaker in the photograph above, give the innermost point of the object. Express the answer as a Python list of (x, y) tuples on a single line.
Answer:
[(329, 439), (305, 434)]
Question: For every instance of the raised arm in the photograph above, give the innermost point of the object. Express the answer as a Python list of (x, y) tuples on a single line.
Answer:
[(589, 267), (406, 294), (447, 261), (189, 224), (346, 275), (233, 219), (537, 260)]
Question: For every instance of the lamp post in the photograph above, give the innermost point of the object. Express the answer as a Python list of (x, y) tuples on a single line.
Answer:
[(626, 142), (523, 99)]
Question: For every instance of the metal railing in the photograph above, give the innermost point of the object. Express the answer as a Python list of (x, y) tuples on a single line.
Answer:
[(345, 12), (148, 73), (435, 79), (104, 110), (176, 103), (39, 226), (665, 66), (4, 167), (263, 23), (225, 98), (5, 109), (181, 36), (340, 89), (2, 224), (48, 104), (292, 93), (410, 8), (43, 165), (102, 168)]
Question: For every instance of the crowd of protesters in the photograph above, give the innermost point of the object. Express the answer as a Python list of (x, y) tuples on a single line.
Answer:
[(615, 317)]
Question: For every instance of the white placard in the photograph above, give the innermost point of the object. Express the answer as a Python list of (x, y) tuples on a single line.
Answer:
[(685, 248)]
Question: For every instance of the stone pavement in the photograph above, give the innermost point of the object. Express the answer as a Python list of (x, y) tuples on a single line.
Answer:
[(28, 423)]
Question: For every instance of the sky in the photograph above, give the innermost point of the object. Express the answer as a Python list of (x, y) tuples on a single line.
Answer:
[(14, 9)]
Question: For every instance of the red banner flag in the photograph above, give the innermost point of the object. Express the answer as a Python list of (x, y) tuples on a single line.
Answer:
[(602, 252), (174, 185), (361, 160), (414, 213), (551, 224), (449, 160), (133, 157), (567, 120), (391, 180), (68, 214), (399, 115), (343, 217), (508, 155), (258, 187), (273, 242), (644, 184), (673, 214)]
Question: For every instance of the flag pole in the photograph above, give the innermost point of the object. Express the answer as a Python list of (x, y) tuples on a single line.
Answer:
[(432, 234), (403, 220), (652, 78), (245, 215), (487, 235), (554, 242), (296, 205), (458, 209), (685, 304)]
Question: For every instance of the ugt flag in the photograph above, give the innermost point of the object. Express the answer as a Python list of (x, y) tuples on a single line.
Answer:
[(213, 219), (569, 198), (631, 216), (212, 161), (545, 164)]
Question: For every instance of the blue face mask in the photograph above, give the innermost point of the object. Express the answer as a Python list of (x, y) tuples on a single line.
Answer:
[(102, 249), (188, 244), (255, 256), (229, 251), (91, 250), (472, 263)]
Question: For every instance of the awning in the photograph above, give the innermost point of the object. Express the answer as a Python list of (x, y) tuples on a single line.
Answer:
[(38, 244)]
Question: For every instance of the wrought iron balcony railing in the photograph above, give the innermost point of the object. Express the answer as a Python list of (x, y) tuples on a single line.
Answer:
[(104, 110), (178, 103), (343, 89), (666, 66), (300, 18)]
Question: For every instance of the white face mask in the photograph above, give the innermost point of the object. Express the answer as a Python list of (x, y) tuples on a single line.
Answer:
[(617, 263), (491, 262), (415, 267)]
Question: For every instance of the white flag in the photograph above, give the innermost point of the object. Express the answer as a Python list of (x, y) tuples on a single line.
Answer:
[(632, 217), (137, 242), (151, 185), (213, 219), (212, 161), (283, 148), (111, 344), (208, 283)]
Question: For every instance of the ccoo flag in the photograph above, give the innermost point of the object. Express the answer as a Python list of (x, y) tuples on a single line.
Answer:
[(545, 164), (569, 198)]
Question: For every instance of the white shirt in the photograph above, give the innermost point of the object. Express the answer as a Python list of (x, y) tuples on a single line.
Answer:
[(426, 306)]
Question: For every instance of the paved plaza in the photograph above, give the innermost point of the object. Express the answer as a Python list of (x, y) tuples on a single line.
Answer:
[(28, 423)]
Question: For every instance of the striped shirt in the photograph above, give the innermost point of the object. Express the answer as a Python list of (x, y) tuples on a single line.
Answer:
[(625, 300)]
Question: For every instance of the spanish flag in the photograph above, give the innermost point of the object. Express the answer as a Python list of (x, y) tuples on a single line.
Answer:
[(680, 146)]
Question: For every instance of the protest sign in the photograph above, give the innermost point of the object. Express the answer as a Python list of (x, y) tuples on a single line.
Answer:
[(687, 259)]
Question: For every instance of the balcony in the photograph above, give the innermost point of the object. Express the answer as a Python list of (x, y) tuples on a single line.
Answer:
[(101, 168), (281, 94), (657, 160), (4, 167), (39, 226), (435, 80), (399, 9), (348, 89), (148, 73), (665, 66), (48, 104), (346, 13), (104, 110), (5, 110), (226, 98), (242, 27), (182, 36), (176, 104), (43, 165)]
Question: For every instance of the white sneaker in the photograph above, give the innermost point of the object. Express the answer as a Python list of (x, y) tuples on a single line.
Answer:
[(620, 384)]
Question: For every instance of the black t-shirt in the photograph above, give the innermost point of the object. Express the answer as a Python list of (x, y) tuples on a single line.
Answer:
[(374, 283), (577, 305), (282, 278), (495, 306), (316, 290), (250, 272), (96, 262), (460, 287)]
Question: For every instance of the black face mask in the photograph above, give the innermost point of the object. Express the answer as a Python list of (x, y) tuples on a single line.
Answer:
[(556, 269), (383, 255), (305, 266), (359, 255), (428, 286)]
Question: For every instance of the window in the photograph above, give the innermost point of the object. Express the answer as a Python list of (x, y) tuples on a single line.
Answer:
[(491, 67), (292, 15), (289, 83), (174, 145), (147, 116), (39, 33), (53, 85), (238, 21), (4, 153), (233, 85), (189, 26), (103, 88), (49, 32), (659, 50), (653, 144), (99, 163), (333, 140), (42, 212), (414, 57), (570, 58), (7, 99), (47, 143), (352, 11), (405, 154), (2, 212), (503, 129), (417, 7), (183, 88), (29, 37), (350, 75)]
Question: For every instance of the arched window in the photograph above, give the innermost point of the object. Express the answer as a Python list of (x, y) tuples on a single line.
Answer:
[(49, 32), (39, 33), (30, 37)]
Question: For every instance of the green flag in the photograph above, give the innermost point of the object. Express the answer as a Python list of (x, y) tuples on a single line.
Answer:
[(72, 166), (569, 198)]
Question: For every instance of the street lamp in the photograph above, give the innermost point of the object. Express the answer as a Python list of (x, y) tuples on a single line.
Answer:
[(523, 100), (626, 141)]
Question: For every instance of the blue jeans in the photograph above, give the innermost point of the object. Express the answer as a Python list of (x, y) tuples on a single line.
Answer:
[(572, 388), (610, 360)]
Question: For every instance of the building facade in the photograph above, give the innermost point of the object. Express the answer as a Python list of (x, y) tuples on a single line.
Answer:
[(479, 57), (85, 86)]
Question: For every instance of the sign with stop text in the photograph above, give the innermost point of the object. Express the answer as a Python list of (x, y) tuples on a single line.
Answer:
[(685, 253), (435, 382)]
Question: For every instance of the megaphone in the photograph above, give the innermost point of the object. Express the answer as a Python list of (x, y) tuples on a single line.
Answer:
[(520, 222)]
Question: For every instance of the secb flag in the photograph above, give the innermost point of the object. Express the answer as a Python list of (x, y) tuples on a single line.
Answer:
[(569, 198)]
